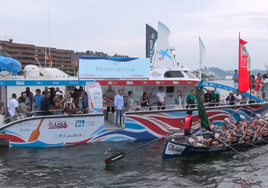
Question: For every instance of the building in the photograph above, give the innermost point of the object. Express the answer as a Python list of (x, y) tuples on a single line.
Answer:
[(26, 53)]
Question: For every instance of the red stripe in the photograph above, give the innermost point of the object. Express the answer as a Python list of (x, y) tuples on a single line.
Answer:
[(80, 142), (12, 138)]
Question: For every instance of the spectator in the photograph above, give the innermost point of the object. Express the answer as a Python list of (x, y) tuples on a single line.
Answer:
[(145, 100), (191, 99), (179, 99), (161, 98), (37, 101), (131, 103), (237, 98), (119, 107), (58, 102), (230, 99), (45, 105), (235, 79), (14, 108)]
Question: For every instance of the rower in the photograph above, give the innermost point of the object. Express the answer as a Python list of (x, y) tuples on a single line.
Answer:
[(187, 122), (264, 128), (208, 141), (254, 131), (238, 133), (243, 122), (224, 136), (229, 125)]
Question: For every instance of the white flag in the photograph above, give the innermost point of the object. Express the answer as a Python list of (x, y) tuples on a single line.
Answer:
[(202, 50)]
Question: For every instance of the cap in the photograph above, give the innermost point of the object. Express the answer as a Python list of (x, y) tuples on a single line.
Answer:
[(58, 93), (258, 115), (227, 119), (242, 117)]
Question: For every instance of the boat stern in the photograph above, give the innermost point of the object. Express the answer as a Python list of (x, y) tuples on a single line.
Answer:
[(173, 150)]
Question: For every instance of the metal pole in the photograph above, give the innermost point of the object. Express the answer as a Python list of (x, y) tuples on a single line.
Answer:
[(49, 36)]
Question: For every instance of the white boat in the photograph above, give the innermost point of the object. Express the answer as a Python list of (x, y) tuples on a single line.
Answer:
[(101, 78)]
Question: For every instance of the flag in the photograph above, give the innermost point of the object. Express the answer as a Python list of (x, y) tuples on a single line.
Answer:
[(202, 112), (202, 50), (151, 37), (243, 76)]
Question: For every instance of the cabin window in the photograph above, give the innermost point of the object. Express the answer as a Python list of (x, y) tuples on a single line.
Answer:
[(190, 75), (170, 89), (173, 74)]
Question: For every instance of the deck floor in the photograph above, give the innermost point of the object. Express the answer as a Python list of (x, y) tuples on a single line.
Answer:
[(111, 126)]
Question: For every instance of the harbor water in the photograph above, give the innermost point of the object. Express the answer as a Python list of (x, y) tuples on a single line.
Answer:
[(83, 166)]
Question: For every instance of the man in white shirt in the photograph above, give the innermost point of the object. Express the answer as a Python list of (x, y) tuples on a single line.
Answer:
[(161, 98), (237, 98), (265, 86), (13, 106)]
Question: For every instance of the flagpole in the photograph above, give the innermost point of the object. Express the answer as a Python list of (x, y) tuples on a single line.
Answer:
[(250, 86)]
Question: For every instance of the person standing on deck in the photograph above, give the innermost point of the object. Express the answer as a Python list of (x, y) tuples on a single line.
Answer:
[(161, 98), (119, 107), (14, 108), (235, 79), (237, 98), (187, 122), (191, 100)]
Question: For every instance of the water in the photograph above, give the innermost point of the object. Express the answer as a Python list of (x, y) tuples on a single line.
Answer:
[(83, 166)]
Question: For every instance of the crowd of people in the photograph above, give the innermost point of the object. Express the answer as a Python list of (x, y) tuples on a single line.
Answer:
[(259, 84), (49, 102)]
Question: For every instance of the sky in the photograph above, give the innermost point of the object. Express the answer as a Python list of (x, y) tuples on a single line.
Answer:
[(118, 26)]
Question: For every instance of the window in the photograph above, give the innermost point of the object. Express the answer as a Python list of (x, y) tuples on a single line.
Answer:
[(173, 74), (190, 75), (170, 89)]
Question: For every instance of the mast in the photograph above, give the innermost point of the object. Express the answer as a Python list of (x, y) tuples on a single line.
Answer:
[(49, 55)]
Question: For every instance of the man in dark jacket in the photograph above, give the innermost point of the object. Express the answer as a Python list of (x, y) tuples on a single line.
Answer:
[(45, 105)]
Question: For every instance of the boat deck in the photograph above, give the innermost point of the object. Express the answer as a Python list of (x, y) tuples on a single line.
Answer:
[(108, 125)]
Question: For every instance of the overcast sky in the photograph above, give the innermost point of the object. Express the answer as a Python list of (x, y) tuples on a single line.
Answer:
[(118, 26)]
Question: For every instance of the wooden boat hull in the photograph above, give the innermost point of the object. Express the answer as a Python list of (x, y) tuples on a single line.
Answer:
[(174, 149)]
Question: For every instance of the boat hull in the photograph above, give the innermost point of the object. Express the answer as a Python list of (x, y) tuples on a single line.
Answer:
[(87, 128), (174, 149)]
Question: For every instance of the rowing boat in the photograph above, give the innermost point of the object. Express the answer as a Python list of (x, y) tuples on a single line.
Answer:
[(174, 149)]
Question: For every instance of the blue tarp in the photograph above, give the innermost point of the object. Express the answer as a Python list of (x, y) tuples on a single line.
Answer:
[(10, 65)]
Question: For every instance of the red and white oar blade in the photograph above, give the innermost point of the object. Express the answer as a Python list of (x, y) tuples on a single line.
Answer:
[(114, 158)]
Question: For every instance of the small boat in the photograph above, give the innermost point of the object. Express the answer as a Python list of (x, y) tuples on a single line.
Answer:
[(174, 149)]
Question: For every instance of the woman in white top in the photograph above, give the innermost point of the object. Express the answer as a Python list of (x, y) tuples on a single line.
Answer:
[(23, 107), (69, 106), (131, 103), (179, 99)]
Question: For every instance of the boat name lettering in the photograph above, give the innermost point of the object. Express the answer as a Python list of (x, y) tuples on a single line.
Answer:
[(157, 82), (113, 69), (20, 83), (25, 123), (57, 125), (175, 82), (129, 82), (24, 129), (173, 149), (198, 149)]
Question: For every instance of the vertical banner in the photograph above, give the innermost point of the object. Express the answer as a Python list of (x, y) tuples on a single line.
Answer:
[(243, 76), (151, 37)]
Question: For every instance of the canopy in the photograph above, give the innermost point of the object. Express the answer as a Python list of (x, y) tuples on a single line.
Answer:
[(10, 65)]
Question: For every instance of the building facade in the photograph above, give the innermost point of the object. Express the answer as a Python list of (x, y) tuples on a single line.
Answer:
[(26, 53)]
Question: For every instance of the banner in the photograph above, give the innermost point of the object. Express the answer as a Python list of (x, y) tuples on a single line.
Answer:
[(202, 112), (243, 76), (151, 37)]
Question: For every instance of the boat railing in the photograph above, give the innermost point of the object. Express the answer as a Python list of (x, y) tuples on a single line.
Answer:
[(177, 107)]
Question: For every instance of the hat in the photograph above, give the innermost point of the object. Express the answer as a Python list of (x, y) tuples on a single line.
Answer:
[(189, 112), (242, 117), (227, 119), (258, 115), (58, 93), (231, 92)]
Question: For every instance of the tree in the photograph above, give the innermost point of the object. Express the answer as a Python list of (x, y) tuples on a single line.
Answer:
[(68, 72), (203, 75)]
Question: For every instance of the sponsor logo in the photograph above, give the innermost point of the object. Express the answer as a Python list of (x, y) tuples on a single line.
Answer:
[(90, 123), (175, 82), (129, 82), (66, 135), (54, 83), (20, 83), (114, 69), (173, 149), (80, 123), (57, 125), (24, 129)]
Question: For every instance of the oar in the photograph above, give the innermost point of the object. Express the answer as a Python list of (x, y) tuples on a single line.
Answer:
[(227, 145), (258, 138), (251, 144), (120, 155)]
